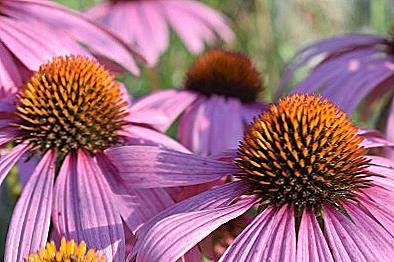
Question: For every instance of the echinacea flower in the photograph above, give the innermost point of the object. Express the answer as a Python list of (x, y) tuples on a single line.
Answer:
[(351, 67), (67, 251), (302, 167), (221, 89), (145, 24), (66, 116), (34, 31)]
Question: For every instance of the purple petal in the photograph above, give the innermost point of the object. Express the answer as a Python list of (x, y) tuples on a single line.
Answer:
[(135, 205), (311, 245), (270, 237), (212, 126), (9, 160), (26, 168), (30, 220), (359, 239), (149, 167), (170, 102), (331, 45), (139, 135), (81, 29), (251, 110), (84, 208), (165, 241)]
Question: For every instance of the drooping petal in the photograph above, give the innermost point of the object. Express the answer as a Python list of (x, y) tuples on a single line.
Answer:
[(150, 167), (135, 205), (270, 237), (170, 102), (311, 245), (212, 126), (9, 160), (374, 139), (84, 208), (328, 46), (30, 221), (165, 241), (360, 239)]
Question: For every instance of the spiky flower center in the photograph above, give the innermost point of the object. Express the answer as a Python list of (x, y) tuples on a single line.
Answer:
[(303, 151), (71, 103), (69, 251), (224, 73)]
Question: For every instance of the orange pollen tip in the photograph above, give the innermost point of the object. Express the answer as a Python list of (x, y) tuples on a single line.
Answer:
[(68, 251), (71, 103), (224, 73), (303, 151)]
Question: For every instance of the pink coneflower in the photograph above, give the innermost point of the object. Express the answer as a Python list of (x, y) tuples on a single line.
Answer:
[(303, 167), (144, 23), (221, 92), (33, 31), (67, 115)]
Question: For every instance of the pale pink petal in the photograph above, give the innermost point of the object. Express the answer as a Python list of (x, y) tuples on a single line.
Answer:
[(84, 208), (165, 241), (170, 102), (97, 38), (30, 220), (360, 239), (213, 19), (375, 200), (139, 135), (135, 205), (149, 167), (270, 237), (311, 245), (374, 139), (9, 160)]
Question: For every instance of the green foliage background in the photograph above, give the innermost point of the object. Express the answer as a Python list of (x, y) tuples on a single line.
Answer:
[(269, 31)]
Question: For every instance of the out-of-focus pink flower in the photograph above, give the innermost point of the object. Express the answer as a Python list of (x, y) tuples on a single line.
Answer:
[(34, 31), (220, 100), (353, 67), (66, 116), (302, 162), (145, 24)]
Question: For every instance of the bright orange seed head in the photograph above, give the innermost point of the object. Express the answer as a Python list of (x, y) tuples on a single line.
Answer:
[(71, 103), (69, 251), (304, 151), (224, 73)]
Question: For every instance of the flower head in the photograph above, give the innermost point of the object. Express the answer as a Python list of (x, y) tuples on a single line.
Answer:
[(303, 168), (70, 104), (65, 117), (68, 251), (224, 73), (304, 152), (193, 21), (222, 89)]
